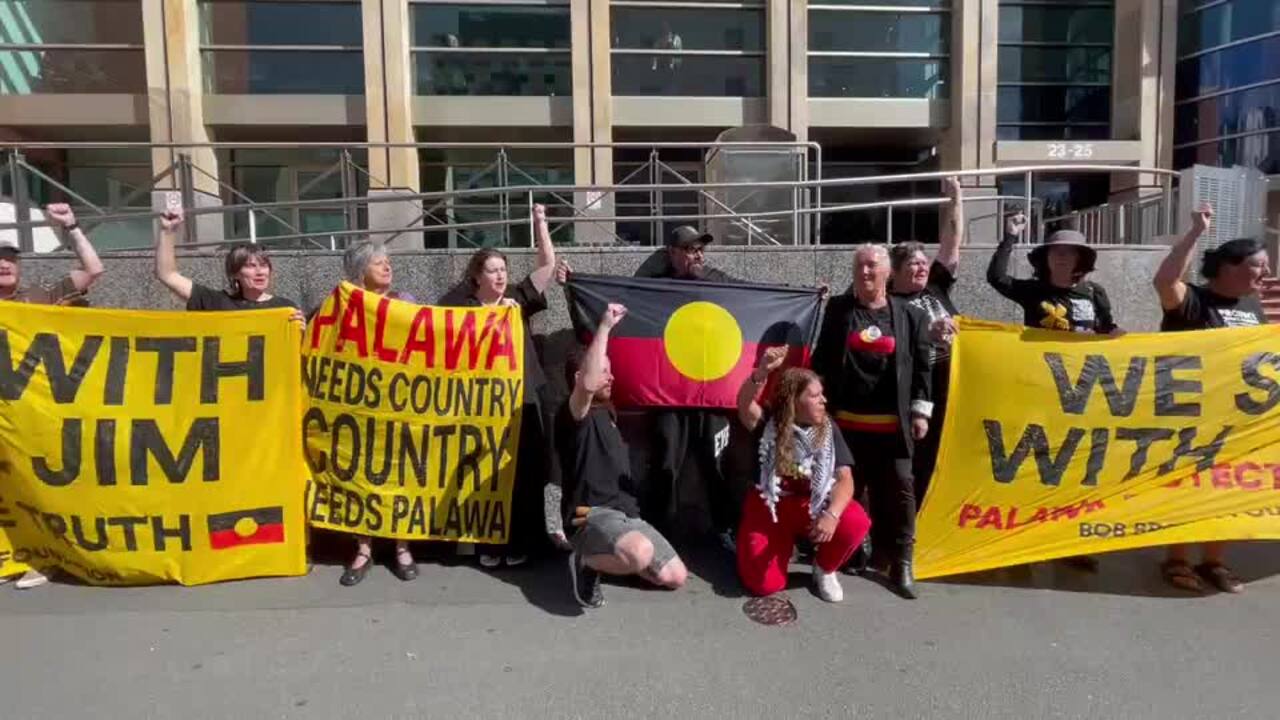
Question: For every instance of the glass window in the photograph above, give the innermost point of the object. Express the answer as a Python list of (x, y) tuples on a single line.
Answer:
[(497, 26), (266, 22), (1237, 112), (111, 60), (1053, 104), (1261, 151), (1053, 131), (692, 52), (1231, 67), (903, 3), (879, 31), (688, 75), (877, 77), (1048, 23), (476, 49), (481, 73), (638, 28), (1070, 65), (283, 72), (1230, 21)]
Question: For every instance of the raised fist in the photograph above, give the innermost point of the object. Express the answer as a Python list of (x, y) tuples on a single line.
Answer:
[(1202, 218), (60, 214), (613, 315)]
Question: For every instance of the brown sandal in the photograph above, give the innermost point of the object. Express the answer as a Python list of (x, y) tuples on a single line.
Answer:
[(1179, 574), (1221, 577)]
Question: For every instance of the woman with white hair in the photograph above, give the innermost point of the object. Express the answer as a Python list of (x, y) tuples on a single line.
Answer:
[(368, 265), (873, 354)]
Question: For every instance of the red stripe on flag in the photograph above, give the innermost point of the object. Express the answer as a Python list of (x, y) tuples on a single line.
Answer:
[(644, 376), (265, 535)]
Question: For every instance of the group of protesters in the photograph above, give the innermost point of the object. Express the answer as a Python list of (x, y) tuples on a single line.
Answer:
[(845, 448)]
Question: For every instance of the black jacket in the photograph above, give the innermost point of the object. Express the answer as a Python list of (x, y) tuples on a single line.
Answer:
[(911, 360)]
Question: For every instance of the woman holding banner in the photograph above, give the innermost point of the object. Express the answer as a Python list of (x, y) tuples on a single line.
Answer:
[(367, 265), (247, 267), (485, 284), (1229, 298), (927, 285), (873, 355), (805, 485)]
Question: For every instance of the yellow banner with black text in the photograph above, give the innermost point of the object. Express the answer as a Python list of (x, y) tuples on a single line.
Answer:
[(137, 449), (414, 417), (1058, 444)]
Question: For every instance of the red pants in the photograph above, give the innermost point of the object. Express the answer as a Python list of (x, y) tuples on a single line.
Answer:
[(764, 546)]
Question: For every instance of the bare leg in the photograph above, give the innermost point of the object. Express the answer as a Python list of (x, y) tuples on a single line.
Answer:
[(364, 552)]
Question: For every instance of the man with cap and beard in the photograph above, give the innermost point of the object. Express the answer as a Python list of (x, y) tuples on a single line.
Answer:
[(689, 434), (70, 290)]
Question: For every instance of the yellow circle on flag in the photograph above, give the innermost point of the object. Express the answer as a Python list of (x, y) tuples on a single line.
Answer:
[(703, 341), (246, 527)]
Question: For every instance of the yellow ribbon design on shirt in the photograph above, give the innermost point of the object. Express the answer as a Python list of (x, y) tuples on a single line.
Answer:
[(1055, 317)]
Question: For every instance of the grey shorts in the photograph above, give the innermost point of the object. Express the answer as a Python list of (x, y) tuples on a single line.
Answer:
[(606, 526)]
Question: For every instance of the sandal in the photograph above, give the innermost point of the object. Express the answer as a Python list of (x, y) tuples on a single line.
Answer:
[(352, 575), (1221, 577), (1180, 575)]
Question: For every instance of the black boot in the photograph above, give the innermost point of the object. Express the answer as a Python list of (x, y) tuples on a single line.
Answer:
[(902, 576), (861, 557)]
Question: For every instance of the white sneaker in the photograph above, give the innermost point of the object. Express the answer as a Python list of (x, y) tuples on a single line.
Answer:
[(828, 585), (490, 561), (32, 579)]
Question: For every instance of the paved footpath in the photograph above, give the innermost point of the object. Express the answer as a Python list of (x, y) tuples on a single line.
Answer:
[(1041, 642)]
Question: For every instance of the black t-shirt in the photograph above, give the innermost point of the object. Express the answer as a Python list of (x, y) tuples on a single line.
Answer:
[(595, 463), (531, 303), (871, 382), (935, 301), (1083, 308), (1204, 309), (204, 298)]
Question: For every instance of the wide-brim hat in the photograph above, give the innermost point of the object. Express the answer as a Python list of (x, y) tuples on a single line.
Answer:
[(1068, 238)]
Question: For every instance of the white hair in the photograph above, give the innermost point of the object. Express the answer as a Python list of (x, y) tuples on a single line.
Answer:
[(880, 251), (355, 261)]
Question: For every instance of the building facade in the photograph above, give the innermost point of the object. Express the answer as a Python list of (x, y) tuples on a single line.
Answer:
[(884, 86)]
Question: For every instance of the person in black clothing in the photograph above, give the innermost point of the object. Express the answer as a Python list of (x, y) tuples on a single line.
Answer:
[(599, 490), (927, 285), (248, 269), (1233, 274), (486, 284), (1057, 297), (873, 354), (680, 435)]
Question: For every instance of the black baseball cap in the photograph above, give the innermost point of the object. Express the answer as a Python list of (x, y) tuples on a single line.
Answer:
[(687, 235)]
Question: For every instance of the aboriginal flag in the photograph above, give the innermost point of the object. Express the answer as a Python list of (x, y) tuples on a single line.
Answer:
[(688, 343), (257, 526)]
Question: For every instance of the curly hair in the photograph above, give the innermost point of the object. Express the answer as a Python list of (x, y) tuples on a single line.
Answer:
[(786, 394)]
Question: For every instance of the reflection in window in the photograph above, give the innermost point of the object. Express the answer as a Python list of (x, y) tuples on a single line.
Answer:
[(877, 78), (1226, 22), (867, 50), (683, 51), (1238, 112), (271, 47), (474, 169), (498, 49), (105, 53), (1261, 151), (1232, 67), (1054, 70), (267, 176)]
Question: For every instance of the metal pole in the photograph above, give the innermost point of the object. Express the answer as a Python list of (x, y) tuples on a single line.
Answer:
[(817, 195), (503, 201), (656, 198), (1026, 206), (21, 203), (888, 234), (533, 228), (344, 174), (1167, 217), (186, 179)]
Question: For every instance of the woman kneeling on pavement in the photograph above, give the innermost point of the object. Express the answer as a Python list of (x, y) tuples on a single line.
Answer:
[(805, 485), (1233, 274), (368, 265)]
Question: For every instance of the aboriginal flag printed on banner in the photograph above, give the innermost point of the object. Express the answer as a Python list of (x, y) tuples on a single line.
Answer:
[(689, 343)]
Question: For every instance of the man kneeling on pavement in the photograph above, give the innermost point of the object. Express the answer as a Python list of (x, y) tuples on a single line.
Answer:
[(599, 490)]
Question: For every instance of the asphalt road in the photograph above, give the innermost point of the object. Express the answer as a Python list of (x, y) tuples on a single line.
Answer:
[(1042, 642)]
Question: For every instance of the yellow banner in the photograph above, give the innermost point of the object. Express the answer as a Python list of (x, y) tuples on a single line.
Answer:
[(414, 417), (140, 447), (1058, 444)]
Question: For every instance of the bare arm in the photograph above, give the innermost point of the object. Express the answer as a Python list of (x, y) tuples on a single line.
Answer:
[(594, 372), (90, 268), (546, 268), (166, 261), (842, 492), (749, 410), (951, 234), (1168, 280)]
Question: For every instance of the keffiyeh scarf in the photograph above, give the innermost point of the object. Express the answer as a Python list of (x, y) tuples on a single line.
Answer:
[(817, 464)]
